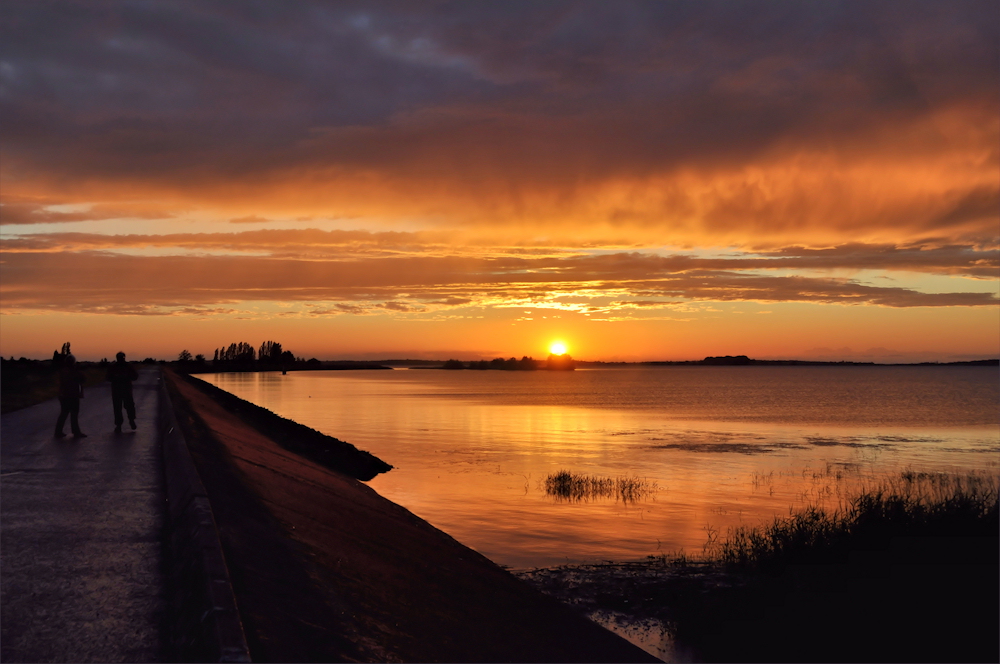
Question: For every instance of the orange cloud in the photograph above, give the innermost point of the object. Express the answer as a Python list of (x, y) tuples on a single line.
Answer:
[(929, 256), (102, 282), (519, 175)]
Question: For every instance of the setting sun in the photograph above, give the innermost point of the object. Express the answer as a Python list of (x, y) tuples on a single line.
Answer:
[(557, 348)]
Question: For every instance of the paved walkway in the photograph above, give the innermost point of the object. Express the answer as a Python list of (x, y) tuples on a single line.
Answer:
[(81, 522)]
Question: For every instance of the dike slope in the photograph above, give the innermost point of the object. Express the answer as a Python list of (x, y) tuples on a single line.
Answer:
[(325, 569)]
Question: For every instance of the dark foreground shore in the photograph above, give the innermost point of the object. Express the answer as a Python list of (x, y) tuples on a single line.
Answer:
[(325, 569), (904, 571)]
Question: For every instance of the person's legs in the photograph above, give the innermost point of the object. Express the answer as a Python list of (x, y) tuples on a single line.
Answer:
[(63, 413), (74, 418), (130, 409), (116, 403)]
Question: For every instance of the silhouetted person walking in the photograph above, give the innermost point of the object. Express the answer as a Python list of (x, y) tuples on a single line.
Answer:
[(121, 374), (71, 381)]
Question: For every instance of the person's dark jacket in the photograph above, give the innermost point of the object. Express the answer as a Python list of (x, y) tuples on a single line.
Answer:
[(121, 375), (71, 382)]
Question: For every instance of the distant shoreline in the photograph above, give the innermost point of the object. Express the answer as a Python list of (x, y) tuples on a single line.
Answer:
[(724, 361), (745, 361)]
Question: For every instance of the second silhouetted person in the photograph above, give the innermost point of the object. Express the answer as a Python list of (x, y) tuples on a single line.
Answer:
[(121, 374)]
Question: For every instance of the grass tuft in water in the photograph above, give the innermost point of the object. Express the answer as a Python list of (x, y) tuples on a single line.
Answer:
[(566, 485)]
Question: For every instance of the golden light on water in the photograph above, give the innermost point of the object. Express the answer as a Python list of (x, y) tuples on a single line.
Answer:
[(708, 471), (557, 348)]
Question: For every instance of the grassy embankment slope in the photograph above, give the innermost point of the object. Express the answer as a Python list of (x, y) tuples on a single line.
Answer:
[(325, 569)]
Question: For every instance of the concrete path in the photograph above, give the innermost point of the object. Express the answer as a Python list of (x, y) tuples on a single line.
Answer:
[(81, 525)]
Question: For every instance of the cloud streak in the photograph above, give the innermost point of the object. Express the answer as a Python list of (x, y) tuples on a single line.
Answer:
[(97, 281), (929, 256)]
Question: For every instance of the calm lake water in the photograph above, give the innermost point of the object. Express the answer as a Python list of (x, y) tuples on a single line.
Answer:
[(717, 447)]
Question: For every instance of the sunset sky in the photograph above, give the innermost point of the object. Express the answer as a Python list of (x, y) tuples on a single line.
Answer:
[(642, 181)]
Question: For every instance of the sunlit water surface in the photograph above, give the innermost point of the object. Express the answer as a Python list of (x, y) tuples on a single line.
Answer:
[(719, 446)]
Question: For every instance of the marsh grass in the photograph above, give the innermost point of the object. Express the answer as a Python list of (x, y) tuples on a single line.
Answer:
[(914, 504), (569, 486), (903, 568)]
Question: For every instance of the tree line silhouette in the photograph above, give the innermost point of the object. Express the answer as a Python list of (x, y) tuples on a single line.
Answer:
[(241, 356), (558, 362)]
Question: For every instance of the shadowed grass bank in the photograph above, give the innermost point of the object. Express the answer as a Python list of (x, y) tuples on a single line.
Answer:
[(31, 382), (294, 437), (905, 570)]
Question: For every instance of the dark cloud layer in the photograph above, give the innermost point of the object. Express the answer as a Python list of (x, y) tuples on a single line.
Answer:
[(507, 110)]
